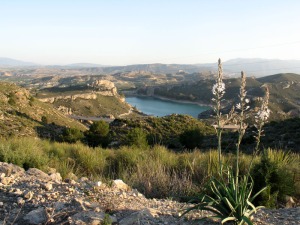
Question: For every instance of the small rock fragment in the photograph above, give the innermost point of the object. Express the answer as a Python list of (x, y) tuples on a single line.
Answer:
[(20, 201), (6, 180), (28, 195), (47, 186), (119, 184)]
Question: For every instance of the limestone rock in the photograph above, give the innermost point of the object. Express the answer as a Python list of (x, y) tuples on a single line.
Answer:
[(10, 169), (78, 204), (38, 174), (20, 201), (37, 216), (56, 177), (135, 217), (89, 218), (6, 180), (28, 194), (104, 87), (47, 186), (83, 180), (119, 184)]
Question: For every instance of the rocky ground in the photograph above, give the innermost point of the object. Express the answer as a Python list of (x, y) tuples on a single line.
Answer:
[(34, 197)]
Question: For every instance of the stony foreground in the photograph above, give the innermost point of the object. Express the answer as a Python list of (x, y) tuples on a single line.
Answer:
[(34, 197)]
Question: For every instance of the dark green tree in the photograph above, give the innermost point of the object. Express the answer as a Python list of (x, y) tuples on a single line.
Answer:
[(137, 137), (192, 138), (72, 135), (97, 135), (44, 120)]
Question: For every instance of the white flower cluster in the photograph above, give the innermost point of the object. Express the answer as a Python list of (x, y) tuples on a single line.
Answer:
[(238, 106), (262, 115), (243, 100), (218, 89)]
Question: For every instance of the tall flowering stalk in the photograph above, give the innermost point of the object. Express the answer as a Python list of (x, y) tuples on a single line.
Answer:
[(262, 117), (218, 91), (241, 107)]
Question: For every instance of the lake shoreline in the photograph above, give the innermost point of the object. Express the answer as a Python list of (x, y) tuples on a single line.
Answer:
[(160, 106), (170, 99)]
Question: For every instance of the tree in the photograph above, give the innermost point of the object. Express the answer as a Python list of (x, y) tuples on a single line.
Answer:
[(72, 135), (137, 137), (192, 138), (98, 134), (44, 120)]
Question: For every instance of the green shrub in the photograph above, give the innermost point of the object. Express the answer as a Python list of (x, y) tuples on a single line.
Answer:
[(25, 152), (272, 172), (97, 135), (191, 139), (137, 137), (44, 120), (71, 135), (12, 99)]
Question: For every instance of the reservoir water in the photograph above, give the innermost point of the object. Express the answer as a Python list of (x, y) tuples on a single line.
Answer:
[(159, 107)]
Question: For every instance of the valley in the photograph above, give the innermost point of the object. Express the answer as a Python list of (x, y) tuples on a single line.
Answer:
[(82, 124)]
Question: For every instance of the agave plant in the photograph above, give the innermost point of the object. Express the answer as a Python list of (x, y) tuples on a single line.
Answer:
[(229, 201)]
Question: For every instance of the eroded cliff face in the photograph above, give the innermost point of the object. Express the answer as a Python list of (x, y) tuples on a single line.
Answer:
[(99, 87), (72, 97), (97, 98)]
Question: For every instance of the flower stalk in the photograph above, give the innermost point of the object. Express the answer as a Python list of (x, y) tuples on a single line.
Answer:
[(218, 91), (261, 118), (242, 107)]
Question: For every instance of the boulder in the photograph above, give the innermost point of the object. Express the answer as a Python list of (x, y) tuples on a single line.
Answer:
[(56, 177), (90, 218), (138, 216), (37, 216), (119, 184), (38, 174), (10, 169)]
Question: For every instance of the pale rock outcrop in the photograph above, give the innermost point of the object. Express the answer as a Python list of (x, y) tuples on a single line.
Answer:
[(119, 184), (10, 169)]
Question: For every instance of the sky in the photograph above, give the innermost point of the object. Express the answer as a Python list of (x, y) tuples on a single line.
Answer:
[(123, 32)]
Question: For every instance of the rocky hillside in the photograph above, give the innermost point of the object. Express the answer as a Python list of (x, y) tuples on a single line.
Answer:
[(35, 197), (23, 115), (98, 98)]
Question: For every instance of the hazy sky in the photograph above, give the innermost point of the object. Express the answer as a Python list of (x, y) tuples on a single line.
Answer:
[(120, 32)]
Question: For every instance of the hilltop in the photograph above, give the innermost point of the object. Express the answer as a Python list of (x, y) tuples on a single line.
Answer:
[(21, 114)]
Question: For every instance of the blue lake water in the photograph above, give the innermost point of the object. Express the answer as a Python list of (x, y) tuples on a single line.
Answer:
[(158, 107)]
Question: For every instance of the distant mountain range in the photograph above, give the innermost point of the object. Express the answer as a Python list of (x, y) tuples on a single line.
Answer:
[(258, 67), (7, 62), (253, 67)]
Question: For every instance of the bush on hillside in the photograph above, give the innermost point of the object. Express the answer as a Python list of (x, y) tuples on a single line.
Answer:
[(273, 174), (191, 139), (137, 137), (97, 135), (71, 135)]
